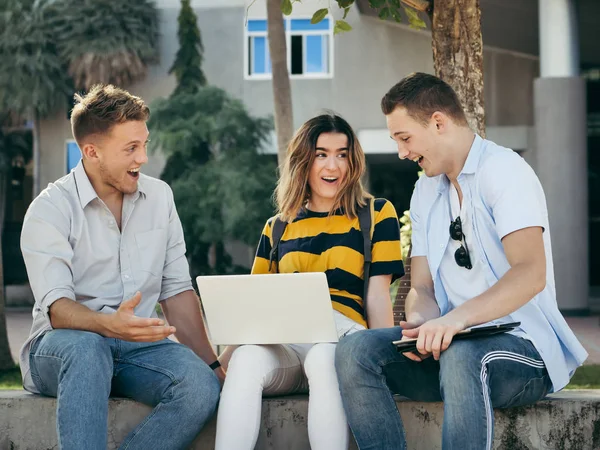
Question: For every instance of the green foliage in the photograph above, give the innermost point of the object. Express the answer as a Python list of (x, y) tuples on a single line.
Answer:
[(12, 144), (386, 9), (49, 48), (406, 230), (11, 379), (286, 7), (586, 377), (222, 185), (187, 66), (32, 75), (319, 15), (105, 41)]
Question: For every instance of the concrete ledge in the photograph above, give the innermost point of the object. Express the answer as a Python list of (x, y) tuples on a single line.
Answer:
[(568, 420)]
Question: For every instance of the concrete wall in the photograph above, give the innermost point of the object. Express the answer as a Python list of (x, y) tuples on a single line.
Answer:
[(569, 420)]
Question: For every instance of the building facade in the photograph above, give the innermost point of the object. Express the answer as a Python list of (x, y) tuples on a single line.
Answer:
[(350, 72)]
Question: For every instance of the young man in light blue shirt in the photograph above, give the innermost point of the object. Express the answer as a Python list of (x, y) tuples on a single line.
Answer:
[(481, 254), (102, 246)]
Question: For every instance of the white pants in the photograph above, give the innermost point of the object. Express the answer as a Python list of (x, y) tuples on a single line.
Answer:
[(257, 370)]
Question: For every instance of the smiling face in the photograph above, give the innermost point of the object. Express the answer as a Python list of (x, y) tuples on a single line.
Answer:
[(417, 142), (118, 155), (328, 170)]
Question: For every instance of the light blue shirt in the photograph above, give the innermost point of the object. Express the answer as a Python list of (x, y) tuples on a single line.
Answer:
[(503, 195)]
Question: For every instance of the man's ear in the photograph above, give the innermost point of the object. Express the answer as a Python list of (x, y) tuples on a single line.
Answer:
[(89, 151), (440, 121)]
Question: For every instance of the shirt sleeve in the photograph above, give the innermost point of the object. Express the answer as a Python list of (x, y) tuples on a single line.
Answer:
[(261, 260), (176, 270), (513, 192), (386, 248), (418, 244), (47, 253)]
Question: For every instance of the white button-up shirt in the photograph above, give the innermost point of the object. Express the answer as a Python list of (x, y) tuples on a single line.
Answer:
[(502, 195), (74, 249)]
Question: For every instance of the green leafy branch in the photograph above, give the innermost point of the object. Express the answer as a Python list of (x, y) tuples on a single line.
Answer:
[(386, 9)]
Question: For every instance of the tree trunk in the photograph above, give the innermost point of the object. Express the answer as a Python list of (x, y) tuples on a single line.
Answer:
[(37, 164), (282, 92), (458, 54), (6, 361)]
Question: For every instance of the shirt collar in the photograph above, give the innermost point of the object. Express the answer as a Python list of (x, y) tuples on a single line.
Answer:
[(471, 164), (86, 191)]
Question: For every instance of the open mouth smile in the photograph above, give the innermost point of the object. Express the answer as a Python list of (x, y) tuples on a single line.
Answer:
[(330, 180)]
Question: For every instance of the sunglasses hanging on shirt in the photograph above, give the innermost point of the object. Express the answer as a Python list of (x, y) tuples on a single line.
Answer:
[(461, 256)]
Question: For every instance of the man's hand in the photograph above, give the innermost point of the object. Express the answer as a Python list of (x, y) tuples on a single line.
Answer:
[(124, 325), (417, 357), (434, 336)]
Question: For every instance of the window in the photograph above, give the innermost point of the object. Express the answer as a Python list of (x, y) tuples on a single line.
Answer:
[(73, 155), (310, 49)]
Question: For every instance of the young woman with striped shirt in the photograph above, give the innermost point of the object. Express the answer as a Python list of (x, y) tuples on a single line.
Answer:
[(318, 195)]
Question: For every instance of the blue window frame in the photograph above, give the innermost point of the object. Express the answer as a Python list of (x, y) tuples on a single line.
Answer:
[(73, 155), (310, 48)]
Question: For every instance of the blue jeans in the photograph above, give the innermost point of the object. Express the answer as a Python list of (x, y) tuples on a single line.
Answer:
[(471, 378), (83, 369)]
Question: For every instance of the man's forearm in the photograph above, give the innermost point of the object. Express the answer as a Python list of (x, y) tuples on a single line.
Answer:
[(510, 293), (66, 313), (421, 306), (183, 312)]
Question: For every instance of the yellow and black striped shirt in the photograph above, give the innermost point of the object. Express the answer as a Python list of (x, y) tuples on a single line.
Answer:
[(316, 242)]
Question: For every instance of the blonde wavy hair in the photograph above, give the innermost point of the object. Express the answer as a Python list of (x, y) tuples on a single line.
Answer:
[(293, 191)]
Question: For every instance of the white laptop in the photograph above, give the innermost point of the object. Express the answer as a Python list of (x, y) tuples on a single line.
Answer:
[(291, 308)]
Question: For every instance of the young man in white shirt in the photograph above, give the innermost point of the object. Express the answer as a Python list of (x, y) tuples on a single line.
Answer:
[(480, 255), (102, 246)]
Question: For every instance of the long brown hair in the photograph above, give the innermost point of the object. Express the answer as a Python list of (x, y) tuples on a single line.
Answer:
[(293, 190)]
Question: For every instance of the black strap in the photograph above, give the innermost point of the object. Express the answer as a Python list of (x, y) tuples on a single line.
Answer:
[(276, 233), (364, 220)]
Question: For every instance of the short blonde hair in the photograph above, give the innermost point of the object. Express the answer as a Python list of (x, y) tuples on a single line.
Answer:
[(103, 107), (293, 191)]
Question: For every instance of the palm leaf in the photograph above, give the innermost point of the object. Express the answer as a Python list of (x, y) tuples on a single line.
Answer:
[(106, 41), (32, 75)]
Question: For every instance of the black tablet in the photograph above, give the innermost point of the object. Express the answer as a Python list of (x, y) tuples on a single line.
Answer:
[(410, 345)]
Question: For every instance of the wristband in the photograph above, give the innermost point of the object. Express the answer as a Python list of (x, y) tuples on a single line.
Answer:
[(215, 365)]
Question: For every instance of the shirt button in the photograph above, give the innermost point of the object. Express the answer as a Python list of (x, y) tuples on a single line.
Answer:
[(441, 245), (126, 277)]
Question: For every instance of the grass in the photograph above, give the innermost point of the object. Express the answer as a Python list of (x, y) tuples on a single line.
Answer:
[(11, 379), (586, 377)]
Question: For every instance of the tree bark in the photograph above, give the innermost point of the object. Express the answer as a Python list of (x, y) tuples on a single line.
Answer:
[(6, 361), (458, 54), (282, 92), (37, 164)]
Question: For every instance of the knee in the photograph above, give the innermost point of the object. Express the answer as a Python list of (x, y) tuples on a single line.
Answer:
[(84, 349), (320, 360), (356, 350), (249, 361), (199, 387)]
